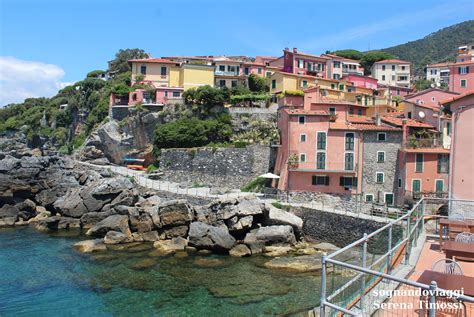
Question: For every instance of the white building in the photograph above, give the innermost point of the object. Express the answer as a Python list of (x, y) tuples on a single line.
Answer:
[(393, 72), (438, 73)]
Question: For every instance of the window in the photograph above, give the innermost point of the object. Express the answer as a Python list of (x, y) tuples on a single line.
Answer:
[(383, 68), (222, 68), (393, 77), (301, 63), (222, 82), (336, 77), (305, 83), (341, 87), (143, 70), (333, 86), (383, 77), (463, 83), (369, 198), (346, 181), (463, 70), (320, 180), (246, 70), (351, 110), (274, 83), (389, 199), (419, 162), (409, 114), (337, 64), (433, 99), (302, 119), (379, 177), (439, 186), (163, 71), (302, 157), (332, 111), (359, 112), (259, 70), (321, 141), (448, 128), (403, 67), (166, 94), (302, 138), (268, 74), (134, 97), (416, 186), (350, 141), (349, 162), (393, 67), (443, 163), (402, 78), (381, 136), (176, 93), (321, 160), (399, 182), (234, 83), (380, 156)]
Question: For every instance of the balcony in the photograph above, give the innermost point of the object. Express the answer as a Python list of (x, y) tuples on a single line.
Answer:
[(422, 143), (226, 73), (347, 71)]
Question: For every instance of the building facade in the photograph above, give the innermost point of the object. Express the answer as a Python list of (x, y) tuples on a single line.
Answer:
[(393, 72)]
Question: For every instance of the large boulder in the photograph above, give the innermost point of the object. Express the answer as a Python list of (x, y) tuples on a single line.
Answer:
[(275, 216), (171, 246), (240, 250), (304, 263), (27, 209), (141, 223), (115, 237), (174, 213), (71, 204), (111, 223), (91, 218), (87, 246), (236, 224), (9, 211), (280, 235), (204, 236)]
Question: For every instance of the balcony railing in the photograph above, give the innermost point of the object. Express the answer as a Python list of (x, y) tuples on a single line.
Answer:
[(226, 73), (424, 143), (378, 263), (339, 167), (351, 71)]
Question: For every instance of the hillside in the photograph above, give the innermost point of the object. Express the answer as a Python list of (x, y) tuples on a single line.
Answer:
[(439, 46)]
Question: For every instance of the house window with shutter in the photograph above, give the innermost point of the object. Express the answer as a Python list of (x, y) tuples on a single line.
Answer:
[(443, 163), (321, 161), (464, 70), (320, 180), (350, 141), (347, 181), (379, 177), (321, 141), (349, 162)]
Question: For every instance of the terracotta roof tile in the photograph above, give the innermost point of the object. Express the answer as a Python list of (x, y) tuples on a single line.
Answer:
[(360, 119), (468, 93), (307, 112), (392, 61), (397, 121), (152, 60)]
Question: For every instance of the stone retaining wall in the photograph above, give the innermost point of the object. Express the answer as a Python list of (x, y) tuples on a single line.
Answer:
[(224, 168)]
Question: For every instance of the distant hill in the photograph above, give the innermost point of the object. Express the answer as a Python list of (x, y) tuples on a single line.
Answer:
[(437, 47)]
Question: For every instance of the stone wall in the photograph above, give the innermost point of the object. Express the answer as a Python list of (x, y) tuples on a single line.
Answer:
[(389, 167), (224, 168), (341, 230)]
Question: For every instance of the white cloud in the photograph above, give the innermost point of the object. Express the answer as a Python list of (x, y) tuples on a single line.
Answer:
[(20, 79)]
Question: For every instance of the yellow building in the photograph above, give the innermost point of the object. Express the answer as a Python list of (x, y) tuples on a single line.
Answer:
[(281, 81), (165, 73)]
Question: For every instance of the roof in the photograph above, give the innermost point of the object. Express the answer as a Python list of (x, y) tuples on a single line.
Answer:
[(254, 63), (466, 94), (427, 150), (308, 55), (392, 61), (152, 60), (341, 58), (398, 121), (360, 119), (299, 112), (374, 127), (338, 102), (422, 92), (438, 65), (341, 126)]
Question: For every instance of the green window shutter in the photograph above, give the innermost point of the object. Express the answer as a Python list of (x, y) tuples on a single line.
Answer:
[(327, 181), (341, 181), (313, 180)]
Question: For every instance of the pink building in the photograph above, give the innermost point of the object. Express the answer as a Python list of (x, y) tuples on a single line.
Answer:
[(304, 64), (169, 95), (461, 76), (386, 90), (362, 81), (462, 146), (253, 68)]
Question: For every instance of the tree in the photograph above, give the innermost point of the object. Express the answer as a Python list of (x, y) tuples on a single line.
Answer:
[(257, 84), (349, 53), (94, 73), (422, 84), (120, 63), (369, 58)]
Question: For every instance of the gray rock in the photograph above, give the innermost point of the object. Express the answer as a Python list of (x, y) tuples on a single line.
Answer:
[(7, 221), (275, 216), (271, 235), (174, 212), (71, 204), (178, 231), (150, 236), (27, 209), (236, 224), (127, 197), (204, 236), (90, 245), (115, 237), (91, 218), (326, 247), (171, 246), (141, 223), (240, 250), (9, 211), (304, 263), (111, 223)]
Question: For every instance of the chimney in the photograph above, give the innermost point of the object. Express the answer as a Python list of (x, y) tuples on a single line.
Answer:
[(377, 119), (287, 49), (295, 50)]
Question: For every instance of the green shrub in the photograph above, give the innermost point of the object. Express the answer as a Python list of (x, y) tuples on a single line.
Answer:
[(151, 168), (299, 93), (249, 97), (257, 185), (258, 84), (78, 140), (279, 205)]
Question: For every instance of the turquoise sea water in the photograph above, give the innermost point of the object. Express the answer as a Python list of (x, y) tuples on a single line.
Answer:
[(42, 275)]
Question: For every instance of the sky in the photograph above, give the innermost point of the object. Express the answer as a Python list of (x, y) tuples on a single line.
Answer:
[(48, 44)]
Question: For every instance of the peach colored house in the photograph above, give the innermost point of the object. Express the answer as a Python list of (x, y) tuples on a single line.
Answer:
[(461, 76), (362, 81), (462, 146)]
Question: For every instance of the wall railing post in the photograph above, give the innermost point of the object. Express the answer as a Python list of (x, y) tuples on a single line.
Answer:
[(407, 246), (322, 308), (364, 265), (432, 300), (389, 255)]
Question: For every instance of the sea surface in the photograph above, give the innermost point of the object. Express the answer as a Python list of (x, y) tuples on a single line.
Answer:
[(42, 275)]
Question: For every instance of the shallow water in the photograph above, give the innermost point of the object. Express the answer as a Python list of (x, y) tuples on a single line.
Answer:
[(42, 275)]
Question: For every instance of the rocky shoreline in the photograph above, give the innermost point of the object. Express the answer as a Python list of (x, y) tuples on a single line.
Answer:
[(52, 193)]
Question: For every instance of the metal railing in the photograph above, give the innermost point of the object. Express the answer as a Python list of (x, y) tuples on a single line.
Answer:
[(375, 267)]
